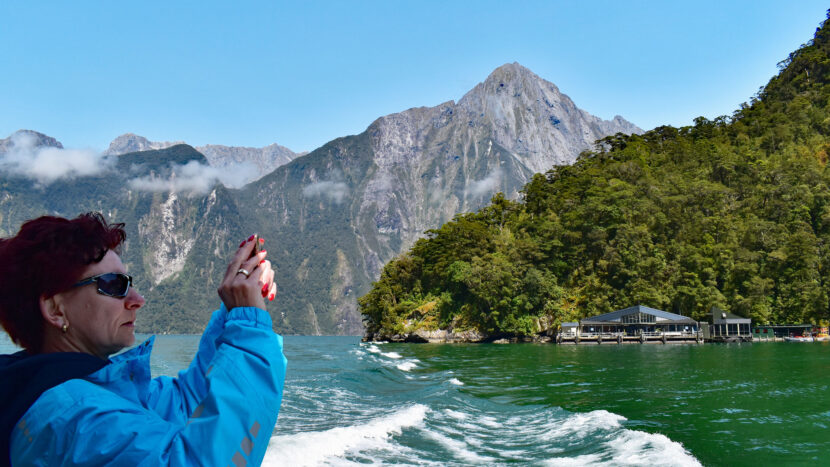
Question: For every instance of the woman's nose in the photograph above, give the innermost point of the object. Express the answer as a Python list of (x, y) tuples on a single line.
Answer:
[(133, 300)]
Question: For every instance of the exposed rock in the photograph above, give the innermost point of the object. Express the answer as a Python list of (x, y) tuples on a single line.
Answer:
[(130, 142), (264, 159), (442, 336), (169, 241), (28, 139), (435, 162), (261, 160)]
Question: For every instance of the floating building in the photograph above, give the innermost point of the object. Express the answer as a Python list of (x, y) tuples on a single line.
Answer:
[(633, 324), (726, 327)]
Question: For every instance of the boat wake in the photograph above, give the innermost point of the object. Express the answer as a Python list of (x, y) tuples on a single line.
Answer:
[(373, 407)]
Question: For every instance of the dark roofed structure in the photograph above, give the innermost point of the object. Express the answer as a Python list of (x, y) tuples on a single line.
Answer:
[(726, 327), (638, 323), (640, 314)]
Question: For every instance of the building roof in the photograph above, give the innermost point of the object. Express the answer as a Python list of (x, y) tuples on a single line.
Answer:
[(719, 317), (616, 316), (570, 324)]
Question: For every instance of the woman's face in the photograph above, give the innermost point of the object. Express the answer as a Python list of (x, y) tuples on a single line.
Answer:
[(98, 324)]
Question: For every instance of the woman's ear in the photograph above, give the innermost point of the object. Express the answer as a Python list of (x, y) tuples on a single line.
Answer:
[(52, 311)]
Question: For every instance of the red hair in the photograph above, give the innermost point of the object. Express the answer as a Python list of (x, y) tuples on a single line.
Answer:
[(43, 259)]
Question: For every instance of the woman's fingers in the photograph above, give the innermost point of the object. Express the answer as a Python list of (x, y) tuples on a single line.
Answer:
[(246, 289), (254, 262), (267, 280), (243, 252)]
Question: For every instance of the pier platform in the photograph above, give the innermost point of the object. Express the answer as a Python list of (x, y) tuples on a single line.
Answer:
[(618, 338)]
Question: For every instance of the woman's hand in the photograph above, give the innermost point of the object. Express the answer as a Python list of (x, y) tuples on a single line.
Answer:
[(237, 289)]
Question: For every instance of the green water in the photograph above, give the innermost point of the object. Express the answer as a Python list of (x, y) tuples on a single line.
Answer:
[(350, 403), (731, 404)]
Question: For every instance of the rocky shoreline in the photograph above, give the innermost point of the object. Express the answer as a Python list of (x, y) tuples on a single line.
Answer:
[(443, 336)]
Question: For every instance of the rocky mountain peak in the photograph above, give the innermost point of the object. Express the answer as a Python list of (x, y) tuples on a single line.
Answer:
[(511, 76), (28, 139), (251, 163), (130, 142), (529, 116)]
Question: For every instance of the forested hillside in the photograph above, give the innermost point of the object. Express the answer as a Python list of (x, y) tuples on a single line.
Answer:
[(732, 212)]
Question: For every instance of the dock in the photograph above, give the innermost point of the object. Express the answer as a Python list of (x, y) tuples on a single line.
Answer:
[(620, 338)]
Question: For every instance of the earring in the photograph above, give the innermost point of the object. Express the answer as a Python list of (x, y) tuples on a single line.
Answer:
[(64, 328)]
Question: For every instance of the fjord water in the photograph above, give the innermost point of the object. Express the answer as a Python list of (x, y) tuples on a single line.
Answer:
[(348, 402)]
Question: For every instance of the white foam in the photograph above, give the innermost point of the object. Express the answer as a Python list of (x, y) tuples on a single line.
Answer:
[(490, 421), (578, 461), (456, 382), (455, 414), (458, 449), (391, 354), (624, 447), (317, 447), (583, 424), (373, 348), (407, 365), (639, 448)]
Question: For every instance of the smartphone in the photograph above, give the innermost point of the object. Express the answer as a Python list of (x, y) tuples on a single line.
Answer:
[(257, 246)]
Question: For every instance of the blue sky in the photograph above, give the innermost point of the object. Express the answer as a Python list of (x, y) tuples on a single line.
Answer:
[(303, 73)]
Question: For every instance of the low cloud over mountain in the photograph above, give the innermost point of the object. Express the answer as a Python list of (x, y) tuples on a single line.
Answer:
[(195, 178), (26, 155)]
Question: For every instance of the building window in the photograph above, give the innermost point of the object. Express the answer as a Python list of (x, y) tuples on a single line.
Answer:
[(637, 318)]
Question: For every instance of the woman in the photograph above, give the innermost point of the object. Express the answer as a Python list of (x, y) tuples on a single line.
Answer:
[(66, 299)]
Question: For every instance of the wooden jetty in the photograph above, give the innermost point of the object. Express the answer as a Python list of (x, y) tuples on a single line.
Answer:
[(612, 338)]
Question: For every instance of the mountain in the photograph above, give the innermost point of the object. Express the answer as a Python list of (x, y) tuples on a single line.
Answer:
[(732, 213), (344, 210), (261, 160), (331, 218), (21, 139), (265, 159), (130, 142), (532, 119)]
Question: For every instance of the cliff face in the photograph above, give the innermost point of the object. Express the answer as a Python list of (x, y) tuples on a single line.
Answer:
[(331, 218), (431, 163)]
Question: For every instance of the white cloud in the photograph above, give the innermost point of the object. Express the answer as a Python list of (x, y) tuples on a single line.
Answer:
[(47, 164), (195, 178), (335, 191), (486, 186)]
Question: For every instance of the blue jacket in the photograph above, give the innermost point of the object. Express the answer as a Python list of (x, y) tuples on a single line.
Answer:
[(219, 411)]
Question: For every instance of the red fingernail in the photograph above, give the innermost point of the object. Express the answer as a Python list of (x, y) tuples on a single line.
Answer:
[(261, 261), (263, 251), (250, 238), (265, 289), (271, 297), (261, 240), (243, 243)]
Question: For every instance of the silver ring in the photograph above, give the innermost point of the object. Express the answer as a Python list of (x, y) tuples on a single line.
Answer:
[(243, 271)]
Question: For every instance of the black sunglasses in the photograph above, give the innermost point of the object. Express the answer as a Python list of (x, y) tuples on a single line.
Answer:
[(111, 284)]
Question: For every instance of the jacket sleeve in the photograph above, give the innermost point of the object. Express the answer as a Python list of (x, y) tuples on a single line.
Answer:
[(242, 373), (180, 396)]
